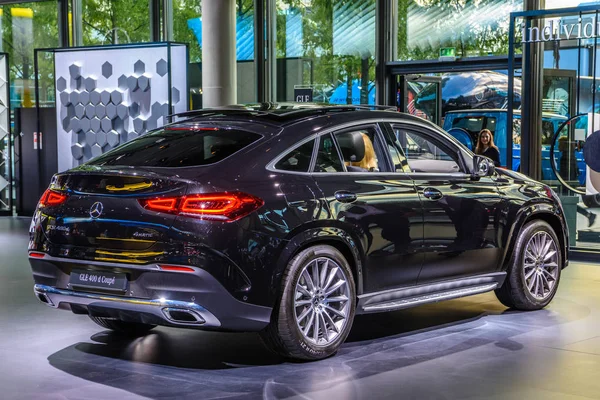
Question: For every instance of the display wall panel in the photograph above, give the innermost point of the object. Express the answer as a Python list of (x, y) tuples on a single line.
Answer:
[(108, 96)]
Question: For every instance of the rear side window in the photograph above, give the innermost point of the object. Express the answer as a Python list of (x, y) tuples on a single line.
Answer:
[(328, 157), (178, 147), (297, 160)]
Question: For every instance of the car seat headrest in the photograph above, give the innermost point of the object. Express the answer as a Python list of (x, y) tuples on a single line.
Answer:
[(352, 146)]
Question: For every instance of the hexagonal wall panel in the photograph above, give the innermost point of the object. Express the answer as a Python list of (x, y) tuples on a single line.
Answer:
[(122, 111), (132, 83), (144, 83), (90, 84), (84, 124), (122, 82), (79, 111), (100, 111), (61, 84), (65, 98), (132, 135), (151, 124), (84, 97), (95, 125), (101, 138), (112, 138), (96, 150), (90, 111), (111, 111), (116, 97), (74, 71), (95, 97), (139, 125), (77, 151), (107, 70), (139, 67), (74, 125), (134, 110), (161, 67), (106, 124), (105, 97), (90, 138), (74, 97), (175, 95)]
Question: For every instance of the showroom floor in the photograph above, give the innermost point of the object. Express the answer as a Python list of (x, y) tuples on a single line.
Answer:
[(462, 349)]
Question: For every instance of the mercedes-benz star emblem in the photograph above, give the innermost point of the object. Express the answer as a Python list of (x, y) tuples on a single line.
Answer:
[(96, 210)]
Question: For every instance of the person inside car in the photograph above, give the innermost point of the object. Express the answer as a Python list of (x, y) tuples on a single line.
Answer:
[(486, 146)]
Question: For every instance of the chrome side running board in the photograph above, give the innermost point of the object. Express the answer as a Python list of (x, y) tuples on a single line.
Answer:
[(429, 298)]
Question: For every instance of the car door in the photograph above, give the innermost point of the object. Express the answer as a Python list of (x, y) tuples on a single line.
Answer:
[(377, 205), (460, 213)]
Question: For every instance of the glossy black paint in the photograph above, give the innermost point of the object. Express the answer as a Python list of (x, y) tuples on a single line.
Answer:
[(403, 229)]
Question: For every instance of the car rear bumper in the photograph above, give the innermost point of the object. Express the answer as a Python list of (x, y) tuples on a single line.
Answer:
[(186, 300)]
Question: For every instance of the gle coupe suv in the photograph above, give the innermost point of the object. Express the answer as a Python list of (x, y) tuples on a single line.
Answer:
[(290, 221)]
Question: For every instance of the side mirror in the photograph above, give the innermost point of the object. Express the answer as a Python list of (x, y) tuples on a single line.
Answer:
[(482, 166)]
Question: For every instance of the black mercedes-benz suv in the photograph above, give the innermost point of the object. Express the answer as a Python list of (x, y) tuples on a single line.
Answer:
[(290, 220)]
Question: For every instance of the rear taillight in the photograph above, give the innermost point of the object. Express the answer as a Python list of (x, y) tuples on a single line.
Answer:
[(211, 206), (50, 198)]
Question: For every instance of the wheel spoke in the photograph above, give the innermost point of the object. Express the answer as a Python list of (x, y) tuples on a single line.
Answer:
[(304, 314), (315, 274), (308, 280), (324, 269), (531, 284), (332, 275), (299, 303), (324, 327), (544, 280), (547, 244), (335, 287), (549, 274), (529, 254), (336, 312), (550, 255), (309, 324), (551, 265), (537, 286), (337, 299), (303, 290), (530, 274), (331, 323), (316, 324)]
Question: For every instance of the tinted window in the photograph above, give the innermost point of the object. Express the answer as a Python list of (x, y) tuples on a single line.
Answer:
[(475, 123), (328, 158), (424, 155), (298, 159), (361, 150), (178, 147)]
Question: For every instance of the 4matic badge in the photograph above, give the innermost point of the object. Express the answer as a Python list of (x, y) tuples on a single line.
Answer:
[(96, 210)]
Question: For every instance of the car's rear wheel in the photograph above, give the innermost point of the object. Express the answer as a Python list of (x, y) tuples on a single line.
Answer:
[(534, 271), (316, 306), (122, 327)]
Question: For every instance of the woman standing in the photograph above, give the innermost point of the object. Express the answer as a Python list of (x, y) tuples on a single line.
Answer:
[(486, 147)]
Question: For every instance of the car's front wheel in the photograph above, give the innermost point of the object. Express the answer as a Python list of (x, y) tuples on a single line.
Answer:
[(316, 306), (122, 327), (534, 270)]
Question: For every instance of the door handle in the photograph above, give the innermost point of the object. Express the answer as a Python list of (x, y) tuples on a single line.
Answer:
[(432, 194), (344, 196)]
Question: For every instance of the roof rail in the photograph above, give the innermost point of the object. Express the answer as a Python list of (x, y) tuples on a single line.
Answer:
[(217, 110)]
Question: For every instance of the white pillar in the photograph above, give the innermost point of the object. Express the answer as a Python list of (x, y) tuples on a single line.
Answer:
[(219, 69)]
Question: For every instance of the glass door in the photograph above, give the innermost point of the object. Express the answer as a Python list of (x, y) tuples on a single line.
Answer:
[(421, 96)]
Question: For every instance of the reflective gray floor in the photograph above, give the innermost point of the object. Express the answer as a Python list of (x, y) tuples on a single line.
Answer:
[(462, 349)]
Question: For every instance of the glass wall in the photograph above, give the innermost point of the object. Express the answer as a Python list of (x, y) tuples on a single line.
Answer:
[(115, 21), (329, 47), (472, 27)]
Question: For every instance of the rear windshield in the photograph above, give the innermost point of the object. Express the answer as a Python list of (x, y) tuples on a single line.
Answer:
[(179, 147)]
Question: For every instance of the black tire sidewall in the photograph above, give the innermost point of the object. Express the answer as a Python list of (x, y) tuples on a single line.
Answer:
[(296, 266)]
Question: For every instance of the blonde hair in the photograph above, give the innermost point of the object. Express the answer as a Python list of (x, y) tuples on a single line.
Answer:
[(480, 147), (369, 161)]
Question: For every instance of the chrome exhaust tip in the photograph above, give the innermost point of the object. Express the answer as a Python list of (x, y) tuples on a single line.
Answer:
[(44, 299), (182, 316)]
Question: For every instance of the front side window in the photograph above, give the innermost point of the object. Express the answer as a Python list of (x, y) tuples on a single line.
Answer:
[(425, 154)]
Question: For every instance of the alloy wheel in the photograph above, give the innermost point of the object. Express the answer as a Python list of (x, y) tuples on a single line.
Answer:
[(321, 301), (541, 268)]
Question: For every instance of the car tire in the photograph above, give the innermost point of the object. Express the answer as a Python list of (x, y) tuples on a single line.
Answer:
[(122, 327), (291, 332), (533, 275)]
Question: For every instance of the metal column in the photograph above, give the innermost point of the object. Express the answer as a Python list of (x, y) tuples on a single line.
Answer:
[(387, 47), (219, 69)]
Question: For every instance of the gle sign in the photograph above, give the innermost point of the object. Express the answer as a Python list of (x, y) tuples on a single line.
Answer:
[(560, 30)]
